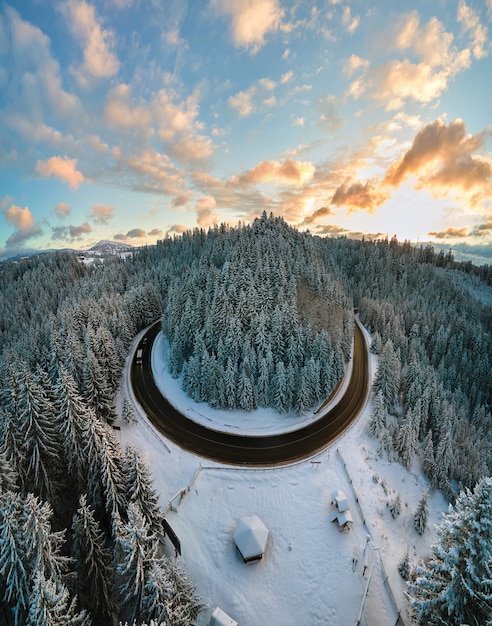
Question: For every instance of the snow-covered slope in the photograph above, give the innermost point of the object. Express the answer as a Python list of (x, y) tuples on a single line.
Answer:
[(311, 573), (110, 247)]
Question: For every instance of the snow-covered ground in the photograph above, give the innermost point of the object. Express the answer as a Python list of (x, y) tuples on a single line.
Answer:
[(311, 574)]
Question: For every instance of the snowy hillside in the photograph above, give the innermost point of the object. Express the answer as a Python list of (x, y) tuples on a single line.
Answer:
[(110, 247), (311, 573)]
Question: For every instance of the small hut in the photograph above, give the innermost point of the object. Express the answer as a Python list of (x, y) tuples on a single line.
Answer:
[(220, 618), (250, 538), (341, 512)]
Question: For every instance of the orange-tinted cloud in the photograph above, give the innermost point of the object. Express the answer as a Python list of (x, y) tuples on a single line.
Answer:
[(289, 171), (101, 214), (63, 168), (251, 20), (61, 210), (436, 143), (319, 213), (24, 223), (450, 233), (359, 196), (204, 210), (441, 158)]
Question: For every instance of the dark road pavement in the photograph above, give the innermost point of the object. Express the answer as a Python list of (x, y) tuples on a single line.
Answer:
[(250, 450)]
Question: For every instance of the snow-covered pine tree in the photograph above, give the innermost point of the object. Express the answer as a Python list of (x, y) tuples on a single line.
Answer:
[(14, 576), (387, 379), (50, 605), (378, 417), (94, 579), (454, 586), (41, 441), (140, 489), (421, 514), (408, 436), (137, 547)]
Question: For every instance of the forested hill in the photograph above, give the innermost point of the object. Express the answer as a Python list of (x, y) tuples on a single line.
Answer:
[(258, 319), (67, 489)]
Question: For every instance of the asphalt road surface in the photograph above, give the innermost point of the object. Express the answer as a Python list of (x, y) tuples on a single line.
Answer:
[(249, 450)]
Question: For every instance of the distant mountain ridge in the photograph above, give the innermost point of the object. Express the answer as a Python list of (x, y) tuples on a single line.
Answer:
[(105, 246)]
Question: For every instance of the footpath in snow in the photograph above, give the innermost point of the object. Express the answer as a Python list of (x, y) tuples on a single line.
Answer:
[(311, 573)]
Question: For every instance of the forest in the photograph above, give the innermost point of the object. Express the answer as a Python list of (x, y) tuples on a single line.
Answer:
[(256, 315)]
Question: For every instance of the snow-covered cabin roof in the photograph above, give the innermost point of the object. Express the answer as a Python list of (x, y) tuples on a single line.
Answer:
[(340, 500), (250, 537), (220, 618)]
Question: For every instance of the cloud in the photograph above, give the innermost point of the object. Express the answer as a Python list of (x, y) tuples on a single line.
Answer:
[(136, 233), (61, 210), (351, 23), (287, 77), (242, 101), (59, 232), (32, 78), (299, 121), (176, 228), (101, 214), (359, 196), (155, 232), (251, 20), (319, 213), (478, 32), (353, 64), (450, 233), (24, 224), (204, 210), (289, 171), (97, 42), (441, 156), (76, 232), (396, 81), (483, 230), (62, 168)]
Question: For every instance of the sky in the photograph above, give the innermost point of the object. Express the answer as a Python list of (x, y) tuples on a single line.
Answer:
[(133, 120)]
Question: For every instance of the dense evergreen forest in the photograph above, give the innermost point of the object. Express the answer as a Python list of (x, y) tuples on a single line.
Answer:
[(256, 315)]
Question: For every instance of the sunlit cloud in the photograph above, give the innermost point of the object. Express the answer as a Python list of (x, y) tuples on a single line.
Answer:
[(356, 195), (155, 232), (242, 101), (100, 214), (450, 233), (61, 210), (204, 210), (179, 229), (251, 20), (318, 214), (289, 171), (351, 23), (442, 158), (299, 121), (395, 82), (97, 43), (353, 64), (478, 32), (63, 168), (25, 226)]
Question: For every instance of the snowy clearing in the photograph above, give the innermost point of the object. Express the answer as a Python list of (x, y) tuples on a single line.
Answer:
[(311, 573)]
